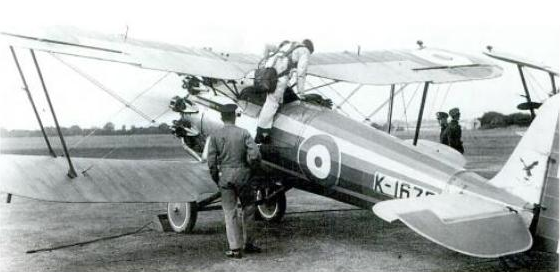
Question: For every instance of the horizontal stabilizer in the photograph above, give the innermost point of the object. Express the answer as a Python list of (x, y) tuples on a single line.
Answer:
[(463, 223), (105, 180)]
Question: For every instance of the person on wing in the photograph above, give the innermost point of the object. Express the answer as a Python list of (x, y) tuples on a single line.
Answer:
[(454, 131), (442, 120), (231, 154), (289, 59)]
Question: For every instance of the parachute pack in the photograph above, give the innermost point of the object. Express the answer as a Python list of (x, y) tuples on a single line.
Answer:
[(266, 78)]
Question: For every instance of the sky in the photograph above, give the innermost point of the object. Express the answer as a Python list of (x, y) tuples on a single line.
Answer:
[(528, 29)]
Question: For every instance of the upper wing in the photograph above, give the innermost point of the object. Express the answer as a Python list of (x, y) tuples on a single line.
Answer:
[(400, 67), (372, 68), (464, 223), (105, 180), (146, 54), (503, 56)]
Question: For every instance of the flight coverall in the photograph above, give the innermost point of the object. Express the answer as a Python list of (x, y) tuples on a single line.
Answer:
[(454, 136), (280, 62), (231, 151)]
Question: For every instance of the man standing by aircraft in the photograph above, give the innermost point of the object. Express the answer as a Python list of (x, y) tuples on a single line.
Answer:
[(231, 152), (454, 131), (290, 58), (442, 120)]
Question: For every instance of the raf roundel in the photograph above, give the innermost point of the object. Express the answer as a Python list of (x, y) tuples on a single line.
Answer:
[(319, 159)]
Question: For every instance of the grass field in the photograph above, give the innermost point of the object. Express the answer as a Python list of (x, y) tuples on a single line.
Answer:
[(486, 150), (161, 146), (317, 234)]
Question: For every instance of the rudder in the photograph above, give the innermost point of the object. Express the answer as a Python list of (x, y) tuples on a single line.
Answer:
[(531, 173)]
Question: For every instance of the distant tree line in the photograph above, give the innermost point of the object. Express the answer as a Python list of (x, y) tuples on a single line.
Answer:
[(494, 119), (107, 129)]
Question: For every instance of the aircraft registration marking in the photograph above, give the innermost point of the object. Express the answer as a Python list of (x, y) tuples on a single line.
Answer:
[(396, 188)]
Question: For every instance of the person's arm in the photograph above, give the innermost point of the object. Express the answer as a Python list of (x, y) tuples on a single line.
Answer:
[(253, 153), (303, 61), (213, 160), (268, 49)]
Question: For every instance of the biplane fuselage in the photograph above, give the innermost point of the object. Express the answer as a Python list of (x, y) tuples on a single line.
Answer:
[(338, 157)]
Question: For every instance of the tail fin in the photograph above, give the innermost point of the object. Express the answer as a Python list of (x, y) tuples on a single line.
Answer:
[(532, 174), (475, 226), (525, 172)]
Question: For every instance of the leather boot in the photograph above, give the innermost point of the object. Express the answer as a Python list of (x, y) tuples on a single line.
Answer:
[(251, 248), (234, 253)]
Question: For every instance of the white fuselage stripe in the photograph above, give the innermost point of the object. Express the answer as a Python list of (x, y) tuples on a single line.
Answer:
[(286, 123)]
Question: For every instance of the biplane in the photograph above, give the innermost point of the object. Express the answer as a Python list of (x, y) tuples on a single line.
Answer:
[(314, 148)]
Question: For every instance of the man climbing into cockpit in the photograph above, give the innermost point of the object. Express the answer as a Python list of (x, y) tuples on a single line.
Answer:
[(279, 66)]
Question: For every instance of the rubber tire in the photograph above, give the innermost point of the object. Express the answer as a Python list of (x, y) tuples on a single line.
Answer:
[(176, 222), (277, 215)]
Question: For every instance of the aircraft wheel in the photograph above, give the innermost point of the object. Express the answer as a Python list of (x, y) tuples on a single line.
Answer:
[(182, 216), (273, 210)]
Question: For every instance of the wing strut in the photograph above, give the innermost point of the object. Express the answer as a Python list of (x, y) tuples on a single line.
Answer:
[(26, 88), (383, 104), (421, 112), (71, 170), (527, 95), (554, 91), (390, 110)]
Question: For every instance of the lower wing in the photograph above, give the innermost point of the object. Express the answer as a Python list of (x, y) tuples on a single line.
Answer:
[(105, 180)]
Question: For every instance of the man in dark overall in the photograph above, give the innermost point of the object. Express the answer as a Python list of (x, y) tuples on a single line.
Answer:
[(454, 131), (442, 120), (231, 152)]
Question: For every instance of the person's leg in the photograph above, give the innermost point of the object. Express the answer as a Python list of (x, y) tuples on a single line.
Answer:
[(247, 198), (233, 228), (281, 89), (229, 205), (268, 110)]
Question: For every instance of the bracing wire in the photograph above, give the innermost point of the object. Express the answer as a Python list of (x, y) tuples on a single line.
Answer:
[(104, 88), (122, 109), (117, 147), (404, 109), (405, 106), (337, 107), (127, 104), (531, 90), (434, 100), (536, 92), (445, 96), (413, 95)]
